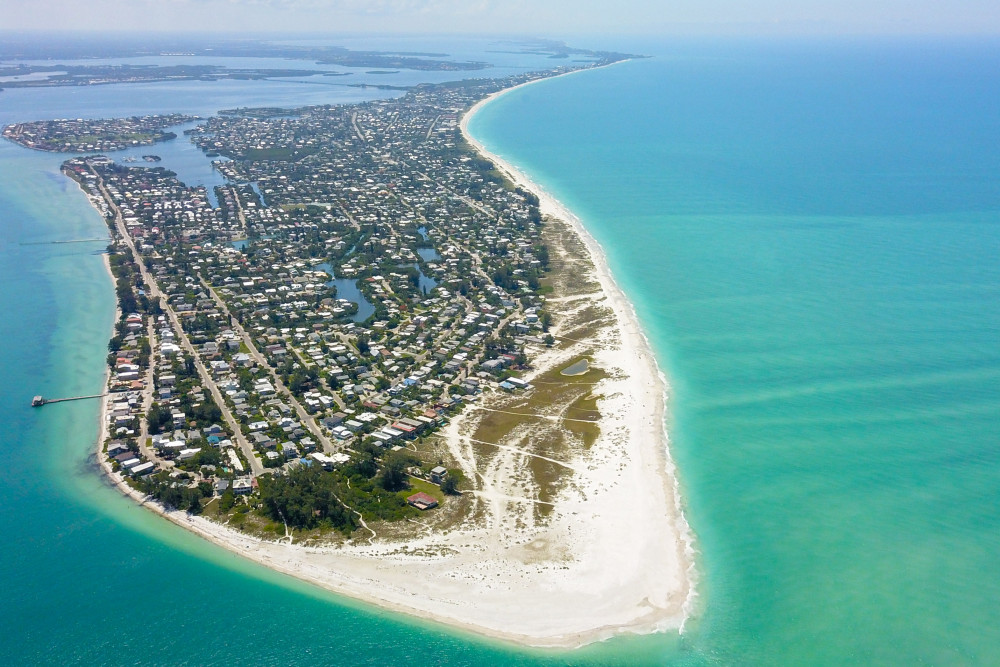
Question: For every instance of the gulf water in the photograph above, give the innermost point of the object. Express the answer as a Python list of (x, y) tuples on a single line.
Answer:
[(809, 232)]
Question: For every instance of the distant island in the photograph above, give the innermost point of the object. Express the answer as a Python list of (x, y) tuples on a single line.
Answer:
[(46, 76), (94, 136), (37, 75), (81, 47), (387, 364)]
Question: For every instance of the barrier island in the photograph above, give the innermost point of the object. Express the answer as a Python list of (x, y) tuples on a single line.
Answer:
[(381, 360)]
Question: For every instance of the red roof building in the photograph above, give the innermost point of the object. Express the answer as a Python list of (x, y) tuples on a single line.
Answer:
[(422, 501)]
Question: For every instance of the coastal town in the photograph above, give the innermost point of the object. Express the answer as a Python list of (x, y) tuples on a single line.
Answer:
[(290, 342), (379, 359)]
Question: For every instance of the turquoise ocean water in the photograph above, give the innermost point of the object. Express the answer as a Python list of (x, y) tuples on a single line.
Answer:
[(810, 233)]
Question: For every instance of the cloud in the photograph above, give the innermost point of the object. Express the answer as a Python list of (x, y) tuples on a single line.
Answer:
[(544, 17), (365, 7)]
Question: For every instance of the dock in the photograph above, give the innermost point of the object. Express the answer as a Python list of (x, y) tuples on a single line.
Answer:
[(39, 401)]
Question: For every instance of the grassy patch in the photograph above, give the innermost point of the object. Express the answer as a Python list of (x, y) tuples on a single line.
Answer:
[(586, 324), (588, 433), (417, 485), (584, 407), (547, 475), (211, 508)]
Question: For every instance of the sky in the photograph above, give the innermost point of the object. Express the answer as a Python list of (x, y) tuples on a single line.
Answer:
[(523, 17)]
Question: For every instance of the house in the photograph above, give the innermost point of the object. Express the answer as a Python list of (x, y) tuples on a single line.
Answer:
[(494, 364), (116, 447), (144, 469), (422, 501), (128, 460), (242, 486), (322, 459), (263, 440), (412, 423), (329, 462), (404, 429), (131, 464), (437, 474)]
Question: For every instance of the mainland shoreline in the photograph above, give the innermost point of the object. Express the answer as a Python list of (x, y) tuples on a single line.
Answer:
[(655, 594)]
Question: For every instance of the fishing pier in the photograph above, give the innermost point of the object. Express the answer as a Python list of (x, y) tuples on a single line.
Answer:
[(39, 401)]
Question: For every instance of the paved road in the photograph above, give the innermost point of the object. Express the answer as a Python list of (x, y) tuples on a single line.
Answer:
[(308, 420), (357, 129), (154, 291)]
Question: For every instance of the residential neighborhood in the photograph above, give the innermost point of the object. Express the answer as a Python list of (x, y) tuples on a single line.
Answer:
[(363, 276)]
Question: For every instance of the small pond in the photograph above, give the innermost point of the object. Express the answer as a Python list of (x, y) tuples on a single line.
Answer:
[(577, 368)]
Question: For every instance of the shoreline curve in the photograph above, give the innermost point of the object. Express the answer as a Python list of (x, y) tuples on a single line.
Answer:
[(624, 309), (371, 576)]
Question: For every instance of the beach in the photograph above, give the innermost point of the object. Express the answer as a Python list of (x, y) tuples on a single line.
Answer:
[(614, 554)]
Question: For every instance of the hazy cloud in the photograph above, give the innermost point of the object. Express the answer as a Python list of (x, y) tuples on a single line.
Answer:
[(538, 17)]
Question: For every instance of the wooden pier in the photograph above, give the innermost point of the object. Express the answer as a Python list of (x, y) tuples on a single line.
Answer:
[(93, 240), (39, 401)]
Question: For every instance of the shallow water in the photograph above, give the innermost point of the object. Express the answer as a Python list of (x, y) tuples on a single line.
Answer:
[(809, 233)]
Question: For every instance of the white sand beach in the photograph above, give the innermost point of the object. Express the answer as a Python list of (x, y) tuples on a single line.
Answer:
[(614, 555)]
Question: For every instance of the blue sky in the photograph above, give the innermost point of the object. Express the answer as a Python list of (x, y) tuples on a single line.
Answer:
[(532, 17)]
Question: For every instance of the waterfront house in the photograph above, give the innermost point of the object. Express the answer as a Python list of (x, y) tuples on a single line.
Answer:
[(144, 469), (116, 447)]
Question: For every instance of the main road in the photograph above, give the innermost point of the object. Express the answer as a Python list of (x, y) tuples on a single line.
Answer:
[(256, 467), (279, 386)]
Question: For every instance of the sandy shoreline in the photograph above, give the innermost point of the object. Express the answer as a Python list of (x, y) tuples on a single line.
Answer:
[(627, 317), (615, 557)]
